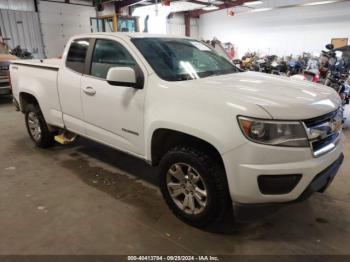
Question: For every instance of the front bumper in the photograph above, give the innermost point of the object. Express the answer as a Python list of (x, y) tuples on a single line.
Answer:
[(249, 212), (246, 163)]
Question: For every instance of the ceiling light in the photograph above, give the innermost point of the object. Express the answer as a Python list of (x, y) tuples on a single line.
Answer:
[(210, 7), (253, 3), (321, 3), (261, 9)]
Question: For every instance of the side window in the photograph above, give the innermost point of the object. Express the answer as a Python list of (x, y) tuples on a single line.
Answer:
[(107, 54), (77, 54)]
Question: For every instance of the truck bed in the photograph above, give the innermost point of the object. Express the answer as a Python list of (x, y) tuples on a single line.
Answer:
[(39, 79), (43, 63)]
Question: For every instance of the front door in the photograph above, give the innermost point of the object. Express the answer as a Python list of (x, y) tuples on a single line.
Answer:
[(114, 115)]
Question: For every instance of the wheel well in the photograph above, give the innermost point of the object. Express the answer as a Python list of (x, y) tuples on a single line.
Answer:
[(26, 99), (164, 140)]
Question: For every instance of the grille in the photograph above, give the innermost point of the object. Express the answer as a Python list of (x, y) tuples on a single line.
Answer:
[(320, 119), (328, 128)]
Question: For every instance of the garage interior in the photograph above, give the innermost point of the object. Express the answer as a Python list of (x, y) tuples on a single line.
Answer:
[(89, 199)]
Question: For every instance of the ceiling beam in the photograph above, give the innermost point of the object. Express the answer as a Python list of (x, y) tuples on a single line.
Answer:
[(225, 5), (197, 2), (124, 3)]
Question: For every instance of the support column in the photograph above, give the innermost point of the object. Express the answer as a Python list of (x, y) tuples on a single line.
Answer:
[(187, 18)]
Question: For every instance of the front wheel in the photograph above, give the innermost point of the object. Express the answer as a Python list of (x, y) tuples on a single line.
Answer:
[(37, 127), (194, 186)]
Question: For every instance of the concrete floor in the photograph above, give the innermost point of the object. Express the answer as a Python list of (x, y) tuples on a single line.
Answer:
[(89, 199)]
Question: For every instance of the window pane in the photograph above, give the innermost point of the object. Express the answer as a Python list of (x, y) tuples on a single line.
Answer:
[(76, 55), (175, 59), (109, 54)]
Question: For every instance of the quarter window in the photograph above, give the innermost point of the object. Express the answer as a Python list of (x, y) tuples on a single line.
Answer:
[(77, 55), (107, 54)]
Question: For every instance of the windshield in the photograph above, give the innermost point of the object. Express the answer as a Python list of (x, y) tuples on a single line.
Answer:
[(175, 59)]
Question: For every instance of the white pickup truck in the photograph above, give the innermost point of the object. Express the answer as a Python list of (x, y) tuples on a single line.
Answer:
[(225, 140)]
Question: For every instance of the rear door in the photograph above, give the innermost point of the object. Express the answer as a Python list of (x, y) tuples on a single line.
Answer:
[(114, 114), (69, 85)]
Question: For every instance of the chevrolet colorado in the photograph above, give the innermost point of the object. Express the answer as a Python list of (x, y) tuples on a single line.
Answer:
[(224, 139)]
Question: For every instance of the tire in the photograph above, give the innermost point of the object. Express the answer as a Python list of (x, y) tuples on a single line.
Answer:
[(34, 119), (212, 179)]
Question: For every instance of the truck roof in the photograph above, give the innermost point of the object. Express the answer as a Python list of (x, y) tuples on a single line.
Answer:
[(131, 35)]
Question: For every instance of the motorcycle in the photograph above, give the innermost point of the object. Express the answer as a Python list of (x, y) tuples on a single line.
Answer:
[(272, 65), (327, 61), (346, 90), (258, 64), (294, 67), (21, 53), (341, 83), (275, 67), (283, 67), (312, 73), (247, 60)]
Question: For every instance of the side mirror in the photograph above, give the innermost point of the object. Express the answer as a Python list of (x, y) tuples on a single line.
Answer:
[(122, 76)]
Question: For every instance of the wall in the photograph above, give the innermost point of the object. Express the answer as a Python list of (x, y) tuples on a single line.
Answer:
[(18, 5), (22, 28), (158, 22), (109, 9), (60, 21), (282, 31), (176, 26)]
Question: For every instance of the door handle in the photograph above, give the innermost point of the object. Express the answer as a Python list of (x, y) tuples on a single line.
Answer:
[(89, 91)]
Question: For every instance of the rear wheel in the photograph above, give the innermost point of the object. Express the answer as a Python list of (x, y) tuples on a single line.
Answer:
[(37, 127), (194, 186)]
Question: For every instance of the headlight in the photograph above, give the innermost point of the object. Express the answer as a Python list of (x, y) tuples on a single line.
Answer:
[(274, 133)]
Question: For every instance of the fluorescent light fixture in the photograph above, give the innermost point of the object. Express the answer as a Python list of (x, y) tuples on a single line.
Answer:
[(253, 3), (321, 3), (261, 9), (210, 7)]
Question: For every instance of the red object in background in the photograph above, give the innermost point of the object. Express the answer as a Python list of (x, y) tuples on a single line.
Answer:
[(166, 2), (230, 50), (311, 77)]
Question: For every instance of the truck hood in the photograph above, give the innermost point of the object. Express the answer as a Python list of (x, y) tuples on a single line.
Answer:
[(282, 97)]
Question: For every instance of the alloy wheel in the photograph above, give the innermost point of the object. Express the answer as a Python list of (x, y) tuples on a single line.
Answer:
[(34, 126), (187, 188)]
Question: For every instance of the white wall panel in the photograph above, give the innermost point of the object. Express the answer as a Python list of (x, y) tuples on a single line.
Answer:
[(176, 26), (194, 28), (158, 23), (18, 5), (78, 2), (22, 28), (282, 31), (60, 21)]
